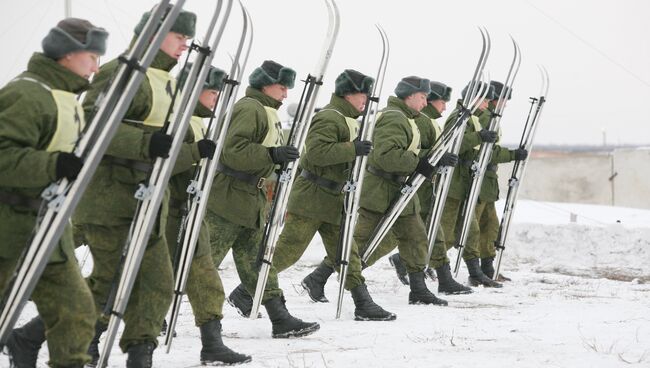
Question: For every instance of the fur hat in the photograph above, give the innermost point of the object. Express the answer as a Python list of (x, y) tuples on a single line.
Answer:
[(185, 23), (439, 91), (351, 81), (489, 96), (498, 87), (73, 35), (214, 80), (270, 73), (410, 85)]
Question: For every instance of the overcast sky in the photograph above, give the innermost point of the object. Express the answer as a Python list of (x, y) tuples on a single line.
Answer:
[(597, 52)]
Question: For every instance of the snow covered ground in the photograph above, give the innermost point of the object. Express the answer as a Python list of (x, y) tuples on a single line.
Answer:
[(580, 297)]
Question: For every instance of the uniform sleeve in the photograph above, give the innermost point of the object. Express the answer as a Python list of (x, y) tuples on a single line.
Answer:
[(501, 155), (391, 152), (129, 142), (241, 150), (26, 123), (471, 139), (324, 146)]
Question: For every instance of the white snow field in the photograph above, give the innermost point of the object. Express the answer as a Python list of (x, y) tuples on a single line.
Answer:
[(580, 297)]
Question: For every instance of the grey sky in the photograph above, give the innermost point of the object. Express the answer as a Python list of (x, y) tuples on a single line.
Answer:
[(597, 52)]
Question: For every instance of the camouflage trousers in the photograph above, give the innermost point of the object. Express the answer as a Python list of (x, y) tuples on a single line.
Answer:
[(450, 224), (489, 223), (245, 243), (152, 290), (295, 237), (62, 298), (408, 233), (204, 288)]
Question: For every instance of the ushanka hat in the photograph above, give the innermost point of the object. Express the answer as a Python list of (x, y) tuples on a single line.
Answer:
[(270, 73), (489, 96), (439, 91), (73, 35), (351, 82), (185, 23), (498, 87), (410, 85), (214, 79)]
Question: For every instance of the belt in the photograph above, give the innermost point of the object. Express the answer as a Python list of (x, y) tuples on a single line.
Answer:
[(247, 178), (321, 181), (388, 176), (132, 164), (17, 200)]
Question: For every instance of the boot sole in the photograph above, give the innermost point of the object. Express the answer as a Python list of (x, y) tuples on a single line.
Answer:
[(224, 364), (402, 278), (239, 311), (392, 317), (478, 283), (316, 300), (299, 333), (463, 292)]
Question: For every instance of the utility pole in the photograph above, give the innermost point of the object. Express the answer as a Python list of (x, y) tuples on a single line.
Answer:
[(67, 8)]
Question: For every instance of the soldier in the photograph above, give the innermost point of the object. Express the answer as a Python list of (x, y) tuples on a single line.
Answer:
[(40, 123), (451, 220), (430, 132), (237, 207), (330, 150), (204, 288), (106, 211), (485, 211)]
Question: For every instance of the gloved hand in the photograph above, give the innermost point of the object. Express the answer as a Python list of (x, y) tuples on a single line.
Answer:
[(206, 148), (488, 136), (67, 166), (362, 148), (448, 159), (283, 154), (425, 168), (159, 145), (520, 154)]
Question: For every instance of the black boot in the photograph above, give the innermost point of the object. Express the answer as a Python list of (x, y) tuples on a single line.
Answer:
[(163, 328), (430, 273), (140, 355), (419, 293), (24, 343), (477, 277), (447, 284), (314, 283), (400, 268), (366, 309), (284, 324), (242, 301), (214, 352), (487, 267), (93, 348)]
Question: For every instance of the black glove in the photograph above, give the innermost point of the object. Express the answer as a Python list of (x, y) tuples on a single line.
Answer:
[(159, 145), (362, 148), (206, 148), (425, 168), (488, 136), (67, 166), (283, 154), (448, 159), (520, 154)]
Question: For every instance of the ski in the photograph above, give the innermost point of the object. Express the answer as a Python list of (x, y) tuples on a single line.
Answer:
[(479, 166), (61, 198), (199, 189), (297, 138), (519, 168), (450, 138), (353, 186), (151, 193)]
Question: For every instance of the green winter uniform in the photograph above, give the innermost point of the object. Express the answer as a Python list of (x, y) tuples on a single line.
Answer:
[(39, 117), (313, 207), (204, 288), (106, 211), (237, 205), (396, 142)]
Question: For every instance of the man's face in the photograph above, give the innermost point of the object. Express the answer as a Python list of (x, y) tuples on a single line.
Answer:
[(484, 104), (439, 105), (276, 91), (208, 98), (82, 63), (416, 101), (174, 44), (358, 100)]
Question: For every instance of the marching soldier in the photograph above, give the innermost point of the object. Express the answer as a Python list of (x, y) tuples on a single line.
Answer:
[(40, 123)]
